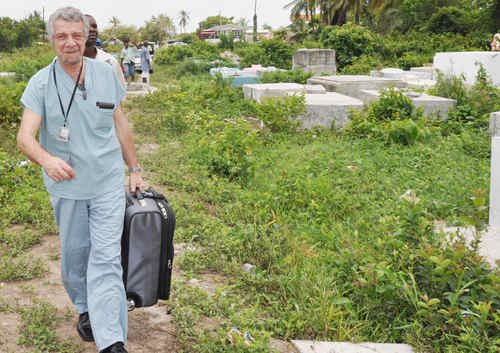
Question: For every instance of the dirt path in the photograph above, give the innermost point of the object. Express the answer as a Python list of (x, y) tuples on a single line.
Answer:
[(151, 330)]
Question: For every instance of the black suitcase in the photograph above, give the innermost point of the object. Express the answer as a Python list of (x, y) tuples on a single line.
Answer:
[(147, 248)]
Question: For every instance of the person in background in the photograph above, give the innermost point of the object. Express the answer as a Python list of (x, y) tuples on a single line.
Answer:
[(495, 43), (127, 56), (146, 64), (93, 52), (84, 139)]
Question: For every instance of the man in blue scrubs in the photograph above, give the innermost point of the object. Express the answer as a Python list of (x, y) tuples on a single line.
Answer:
[(84, 141)]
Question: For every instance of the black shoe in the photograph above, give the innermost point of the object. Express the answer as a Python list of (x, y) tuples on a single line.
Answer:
[(116, 347), (84, 329)]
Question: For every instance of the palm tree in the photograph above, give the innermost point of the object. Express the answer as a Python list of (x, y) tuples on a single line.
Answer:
[(183, 19), (115, 22), (297, 7)]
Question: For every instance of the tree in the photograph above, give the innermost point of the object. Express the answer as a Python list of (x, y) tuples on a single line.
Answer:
[(183, 20), (158, 28), (212, 21), (243, 23)]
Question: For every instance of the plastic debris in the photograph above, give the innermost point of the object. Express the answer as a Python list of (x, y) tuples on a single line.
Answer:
[(235, 332), (248, 267)]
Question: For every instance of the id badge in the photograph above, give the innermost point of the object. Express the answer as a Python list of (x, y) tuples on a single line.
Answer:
[(64, 134)]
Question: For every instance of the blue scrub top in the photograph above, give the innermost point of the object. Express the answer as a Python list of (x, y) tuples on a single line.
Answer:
[(94, 147)]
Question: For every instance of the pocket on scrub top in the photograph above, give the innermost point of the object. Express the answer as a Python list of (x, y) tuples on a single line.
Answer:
[(103, 120)]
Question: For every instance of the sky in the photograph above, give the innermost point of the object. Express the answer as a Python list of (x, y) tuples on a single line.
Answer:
[(136, 12)]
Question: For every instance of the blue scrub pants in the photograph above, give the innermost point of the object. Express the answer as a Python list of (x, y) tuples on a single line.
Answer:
[(90, 233)]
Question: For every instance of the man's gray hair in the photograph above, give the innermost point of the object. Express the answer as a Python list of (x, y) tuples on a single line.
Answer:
[(69, 14)]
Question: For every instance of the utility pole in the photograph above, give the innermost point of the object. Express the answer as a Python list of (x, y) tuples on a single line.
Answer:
[(255, 24)]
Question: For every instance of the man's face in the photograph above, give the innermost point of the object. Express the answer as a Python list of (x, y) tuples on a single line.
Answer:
[(125, 44), (93, 32), (69, 41)]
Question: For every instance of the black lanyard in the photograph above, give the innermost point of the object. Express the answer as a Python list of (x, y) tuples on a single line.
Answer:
[(65, 115)]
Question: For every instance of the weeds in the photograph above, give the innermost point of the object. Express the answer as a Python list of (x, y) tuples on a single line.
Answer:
[(38, 329)]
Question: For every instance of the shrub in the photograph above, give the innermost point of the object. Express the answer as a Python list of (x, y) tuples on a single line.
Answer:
[(409, 60), (363, 65), (173, 54), (449, 19), (393, 119), (350, 42), (279, 114), (10, 106), (474, 104), (193, 67), (225, 148), (272, 52), (392, 105), (297, 76)]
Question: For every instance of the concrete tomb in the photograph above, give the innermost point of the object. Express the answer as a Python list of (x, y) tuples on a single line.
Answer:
[(7, 74), (467, 64), (417, 77), (328, 110), (139, 88), (352, 85), (432, 105), (317, 61), (269, 90), (347, 347)]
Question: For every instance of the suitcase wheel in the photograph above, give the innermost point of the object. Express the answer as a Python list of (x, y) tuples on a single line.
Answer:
[(130, 304)]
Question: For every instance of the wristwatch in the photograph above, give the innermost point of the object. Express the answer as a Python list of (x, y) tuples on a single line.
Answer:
[(135, 169)]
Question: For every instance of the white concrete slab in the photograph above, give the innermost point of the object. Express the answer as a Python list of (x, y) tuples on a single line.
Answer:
[(346, 347), (432, 105), (425, 72), (327, 110), (466, 63), (494, 129), (489, 245), (494, 216), (258, 92), (317, 61), (351, 85), (139, 89)]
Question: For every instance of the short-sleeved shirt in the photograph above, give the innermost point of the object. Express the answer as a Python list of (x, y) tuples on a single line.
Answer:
[(128, 54), (96, 154), (110, 59)]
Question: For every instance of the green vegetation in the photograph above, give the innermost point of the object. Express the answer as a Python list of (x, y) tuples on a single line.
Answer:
[(339, 254), (38, 329), (20, 34)]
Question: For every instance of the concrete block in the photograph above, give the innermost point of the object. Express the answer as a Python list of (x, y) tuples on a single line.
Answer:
[(139, 89), (257, 92), (392, 73), (347, 347), (494, 216), (489, 242), (7, 74), (420, 83), (432, 105), (494, 129), (317, 61), (467, 64), (425, 72), (351, 85), (327, 110)]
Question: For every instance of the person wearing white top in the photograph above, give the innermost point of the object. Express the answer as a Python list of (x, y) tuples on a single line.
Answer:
[(91, 51)]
